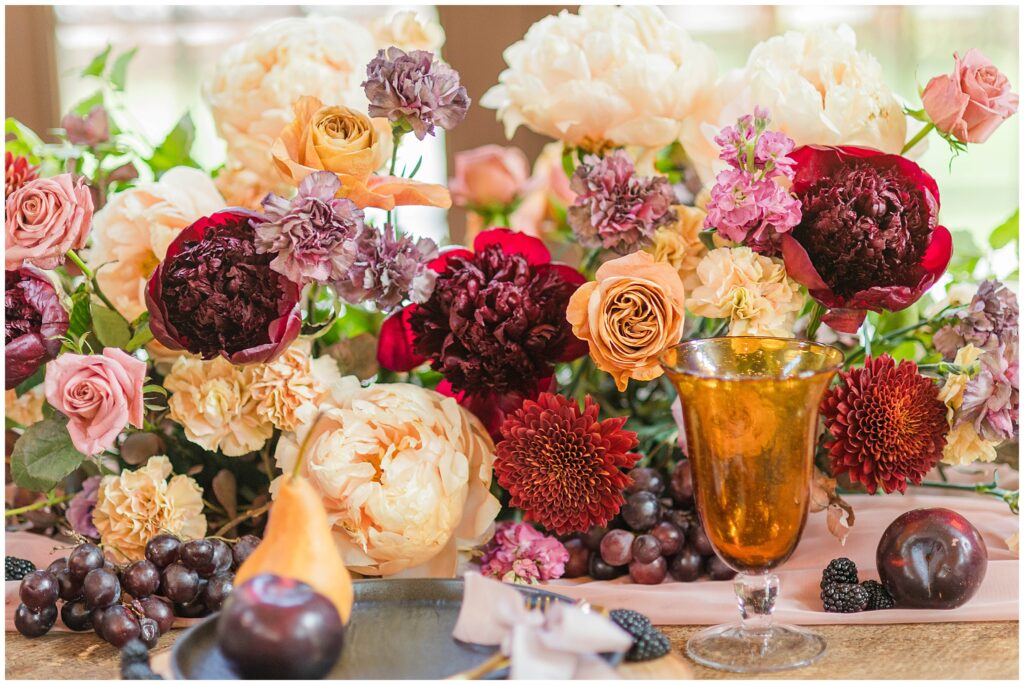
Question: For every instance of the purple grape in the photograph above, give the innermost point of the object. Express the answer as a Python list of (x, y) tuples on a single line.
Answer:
[(84, 558), (35, 623), (592, 538), (649, 573), (670, 537), (242, 548), (579, 558), (645, 480), (681, 520), (76, 616), (70, 589), (160, 609), (198, 556), (149, 632), (141, 578), (646, 548), (640, 512), (57, 565), (101, 589), (681, 484), (39, 590), (222, 557), (162, 550), (179, 583), (599, 570), (119, 625), (719, 570), (217, 591), (96, 616), (698, 539), (617, 547), (193, 609), (686, 566)]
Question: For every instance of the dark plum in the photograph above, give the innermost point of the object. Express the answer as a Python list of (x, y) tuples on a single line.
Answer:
[(160, 609), (198, 556), (649, 573), (592, 538), (646, 549), (698, 539), (222, 558), (69, 588), (119, 625), (645, 479), (34, 623), (640, 512), (149, 632), (179, 583), (57, 565), (579, 558), (686, 566), (617, 547), (242, 548), (681, 484), (217, 590), (600, 570), (719, 570)]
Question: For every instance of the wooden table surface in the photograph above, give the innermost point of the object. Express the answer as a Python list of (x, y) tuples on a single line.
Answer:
[(898, 651)]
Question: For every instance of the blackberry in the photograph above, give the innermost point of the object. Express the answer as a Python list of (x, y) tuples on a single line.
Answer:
[(134, 652), (139, 672), (17, 569), (651, 645), (840, 570), (844, 598), (633, 622), (878, 596)]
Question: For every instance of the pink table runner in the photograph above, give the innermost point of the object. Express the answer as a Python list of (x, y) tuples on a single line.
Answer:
[(712, 602)]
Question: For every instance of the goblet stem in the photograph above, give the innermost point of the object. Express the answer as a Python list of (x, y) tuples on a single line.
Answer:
[(756, 594)]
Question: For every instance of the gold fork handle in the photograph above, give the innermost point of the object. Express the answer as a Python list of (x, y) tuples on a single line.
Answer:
[(497, 660)]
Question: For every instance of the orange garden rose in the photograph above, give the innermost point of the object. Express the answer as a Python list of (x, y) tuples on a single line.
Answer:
[(632, 313), (352, 146)]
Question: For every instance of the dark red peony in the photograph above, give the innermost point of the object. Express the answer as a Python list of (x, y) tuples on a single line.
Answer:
[(494, 325), (563, 466), (887, 424), (34, 322), (214, 294), (869, 237)]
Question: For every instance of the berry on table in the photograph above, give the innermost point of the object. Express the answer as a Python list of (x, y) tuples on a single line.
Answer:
[(16, 569), (652, 645), (633, 622), (878, 596), (31, 623), (844, 598), (841, 570)]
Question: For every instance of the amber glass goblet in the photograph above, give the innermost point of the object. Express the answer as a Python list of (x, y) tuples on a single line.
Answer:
[(750, 409)]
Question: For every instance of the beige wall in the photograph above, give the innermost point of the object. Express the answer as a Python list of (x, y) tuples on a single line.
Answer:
[(30, 64)]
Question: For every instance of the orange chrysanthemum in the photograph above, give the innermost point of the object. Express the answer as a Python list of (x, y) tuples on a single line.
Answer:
[(562, 466), (887, 423)]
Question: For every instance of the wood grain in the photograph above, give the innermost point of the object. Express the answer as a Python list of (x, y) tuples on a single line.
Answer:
[(899, 651)]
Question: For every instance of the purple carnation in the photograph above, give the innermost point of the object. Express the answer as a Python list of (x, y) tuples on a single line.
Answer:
[(80, 508), (519, 553), (990, 319), (991, 399), (313, 233), (615, 208), (388, 268), (414, 89)]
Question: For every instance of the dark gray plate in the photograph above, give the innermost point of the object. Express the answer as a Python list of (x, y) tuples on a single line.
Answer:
[(399, 629)]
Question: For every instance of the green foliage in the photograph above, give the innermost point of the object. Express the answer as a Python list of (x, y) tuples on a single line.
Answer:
[(966, 254), (20, 140), (99, 63), (44, 455), (111, 328), (141, 337), (81, 317), (176, 148), (119, 72), (1006, 232), (31, 382), (352, 322)]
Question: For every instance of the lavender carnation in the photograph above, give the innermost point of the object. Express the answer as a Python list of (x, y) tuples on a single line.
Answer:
[(519, 553), (414, 89), (990, 318), (80, 508), (616, 209), (991, 398), (388, 268), (313, 233)]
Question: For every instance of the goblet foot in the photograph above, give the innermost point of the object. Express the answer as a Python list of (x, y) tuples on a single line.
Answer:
[(734, 648)]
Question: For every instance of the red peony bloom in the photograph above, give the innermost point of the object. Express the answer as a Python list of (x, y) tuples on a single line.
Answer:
[(17, 172), (494, 325), (869, 237), (34, 322), (562, 466), (215, 295), (887, 422)]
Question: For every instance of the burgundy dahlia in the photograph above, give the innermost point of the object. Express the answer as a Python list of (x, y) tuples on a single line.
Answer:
[(17, 172), (887, 424), (214, 294), (869, 236), (563, 466), (34, 322)]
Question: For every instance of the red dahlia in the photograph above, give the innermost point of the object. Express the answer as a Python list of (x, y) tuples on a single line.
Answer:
[(887, 422), (17, 172), (562, 466)]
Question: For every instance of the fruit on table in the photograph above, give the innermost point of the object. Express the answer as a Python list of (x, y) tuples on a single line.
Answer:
[(32, 623), (931, 559), (39, 589), (298, 544), (280, 627)]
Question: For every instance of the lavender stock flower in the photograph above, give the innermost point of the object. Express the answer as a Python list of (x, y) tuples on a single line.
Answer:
[(415, 89), (388, 268)]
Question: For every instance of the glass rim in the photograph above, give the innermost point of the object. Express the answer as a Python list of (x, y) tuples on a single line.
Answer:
[(790, 342)]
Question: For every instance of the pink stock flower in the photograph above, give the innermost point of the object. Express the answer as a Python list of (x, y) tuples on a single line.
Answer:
[(519, 553), (46, 217), (100, 395), (972, 102)]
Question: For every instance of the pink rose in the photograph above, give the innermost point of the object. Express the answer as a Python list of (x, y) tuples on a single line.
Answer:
[(971, 102), (46, 218), (99, 394), (489, 175)]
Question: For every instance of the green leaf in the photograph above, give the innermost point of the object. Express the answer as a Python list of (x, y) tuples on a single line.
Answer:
[(142, 336), (32, 381), (110, 327), (708, 239), (44, 455), (98, 64), (176, 148), (87, 104), (80, 319), (119, 72), (21, 140), (1005, 232)]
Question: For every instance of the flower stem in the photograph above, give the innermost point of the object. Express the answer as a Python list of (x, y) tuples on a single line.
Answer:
[(37, 505), (991, 489), (812, 326), (917, 139), (251, 514), (88, 273)]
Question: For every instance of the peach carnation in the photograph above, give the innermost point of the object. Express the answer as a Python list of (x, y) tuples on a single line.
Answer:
[(679, 244), (289, 389)]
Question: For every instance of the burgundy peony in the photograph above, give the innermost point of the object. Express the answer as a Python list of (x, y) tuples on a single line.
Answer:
[(869, 237), (34, 322), (214, 294)]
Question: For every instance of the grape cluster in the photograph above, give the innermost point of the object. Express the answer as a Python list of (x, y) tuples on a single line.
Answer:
[(134, 601), (656, 534)]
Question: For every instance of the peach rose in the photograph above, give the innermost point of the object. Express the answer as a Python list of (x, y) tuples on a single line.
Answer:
[(99, 394), (971, 102), (632, 313), (46, 217), (489, 175), (352, 146)]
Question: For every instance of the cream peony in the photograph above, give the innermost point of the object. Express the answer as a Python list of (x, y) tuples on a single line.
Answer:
[(607, 76), (405, 475), (131, 233), (244, 188), (749, 289), (255, 82), (212, 401), (408, 31), (288, 390), (133, 507), (819, 88), (679, 244)]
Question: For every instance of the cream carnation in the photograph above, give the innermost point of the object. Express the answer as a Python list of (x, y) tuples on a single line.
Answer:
[(749, 289), (255, 82), (963, 444), (819, 88), (405, 475), (211, 399), (608, 76), (679, 244), (407, 31), (289, 389), (131, 233), (135, 506)]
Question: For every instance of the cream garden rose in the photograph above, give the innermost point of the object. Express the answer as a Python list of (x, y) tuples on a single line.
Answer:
[(405, 475), (407, 31)]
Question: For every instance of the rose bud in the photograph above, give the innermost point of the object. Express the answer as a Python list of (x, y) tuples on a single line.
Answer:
[(973, 101), (869, 236), (92, 129), (35, 320), (213, 294), (489, 175)]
